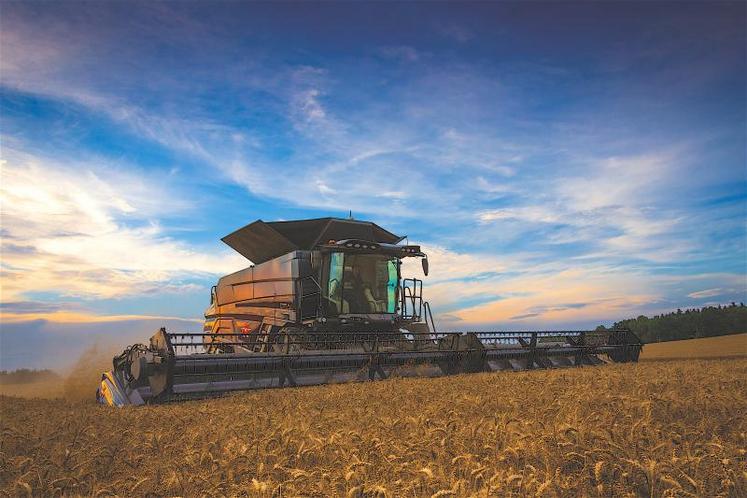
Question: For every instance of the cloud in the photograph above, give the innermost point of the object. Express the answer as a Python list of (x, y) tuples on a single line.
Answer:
[(486, 291), (304, 93), (403, 53), (396, 139), (595, 296), (23, 308), (324, 189), (706, 293), (87, 231), (531, 214), (610, 204), (455, 32), (42, 311), (309, 106), (452, 265)]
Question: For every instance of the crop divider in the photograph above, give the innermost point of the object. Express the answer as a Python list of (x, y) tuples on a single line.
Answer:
[(532, 346)]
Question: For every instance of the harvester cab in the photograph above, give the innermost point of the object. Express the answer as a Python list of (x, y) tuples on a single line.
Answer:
[(310, 278), (324, 302)]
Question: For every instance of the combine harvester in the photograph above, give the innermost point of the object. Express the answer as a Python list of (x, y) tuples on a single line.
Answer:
[(325, 302)]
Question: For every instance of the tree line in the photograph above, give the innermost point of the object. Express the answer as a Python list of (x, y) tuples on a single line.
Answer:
[(709, 321), (25, 375)]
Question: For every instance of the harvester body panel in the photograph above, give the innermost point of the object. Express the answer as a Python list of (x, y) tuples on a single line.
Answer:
[(265, 293)]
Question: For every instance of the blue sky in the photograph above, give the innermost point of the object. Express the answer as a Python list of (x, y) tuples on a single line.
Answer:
[(564, 165)]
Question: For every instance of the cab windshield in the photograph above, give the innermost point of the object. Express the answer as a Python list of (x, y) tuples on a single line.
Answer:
[(361, 283)]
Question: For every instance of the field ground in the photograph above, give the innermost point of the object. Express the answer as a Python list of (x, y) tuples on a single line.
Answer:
[(37, 389), (672, 428), (708, 347)]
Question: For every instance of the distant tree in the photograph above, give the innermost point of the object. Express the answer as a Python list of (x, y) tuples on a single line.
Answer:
[(703, 322)]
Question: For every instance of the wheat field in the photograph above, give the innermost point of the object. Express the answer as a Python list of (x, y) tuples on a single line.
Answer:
[(674, 428), (724, 346)]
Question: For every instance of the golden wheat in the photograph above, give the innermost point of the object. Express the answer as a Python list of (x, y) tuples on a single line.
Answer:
[(724, 346), (673, 428)]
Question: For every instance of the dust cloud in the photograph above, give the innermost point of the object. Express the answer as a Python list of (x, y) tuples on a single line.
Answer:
[(76, 383), (82, 379)]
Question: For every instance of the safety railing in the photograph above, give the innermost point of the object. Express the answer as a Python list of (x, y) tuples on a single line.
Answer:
[(411, 299)]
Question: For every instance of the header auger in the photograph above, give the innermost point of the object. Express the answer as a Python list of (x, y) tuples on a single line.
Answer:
[(326, 303)]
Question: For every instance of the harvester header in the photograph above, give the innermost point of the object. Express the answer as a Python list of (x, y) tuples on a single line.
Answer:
[(325, 302)]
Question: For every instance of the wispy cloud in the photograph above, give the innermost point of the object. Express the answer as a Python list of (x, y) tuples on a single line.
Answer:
[(706, 293), (403, 53), (456, 32), (86, 231), (617, 205)]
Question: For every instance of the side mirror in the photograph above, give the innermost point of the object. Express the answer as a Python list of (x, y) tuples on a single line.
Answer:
[(424, 261)]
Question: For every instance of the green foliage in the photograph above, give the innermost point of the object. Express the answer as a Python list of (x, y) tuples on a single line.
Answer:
[(689, 324)]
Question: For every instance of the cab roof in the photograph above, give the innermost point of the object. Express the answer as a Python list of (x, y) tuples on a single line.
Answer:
[(262, 241)]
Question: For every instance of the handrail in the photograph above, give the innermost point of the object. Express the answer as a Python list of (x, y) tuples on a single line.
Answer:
[(414, 294), (428, 313), (405, 291)]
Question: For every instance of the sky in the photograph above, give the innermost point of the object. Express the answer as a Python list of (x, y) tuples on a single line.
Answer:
[(564, 165)]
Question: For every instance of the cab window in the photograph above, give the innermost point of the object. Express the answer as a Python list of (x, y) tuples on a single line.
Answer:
[(334, 284)]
